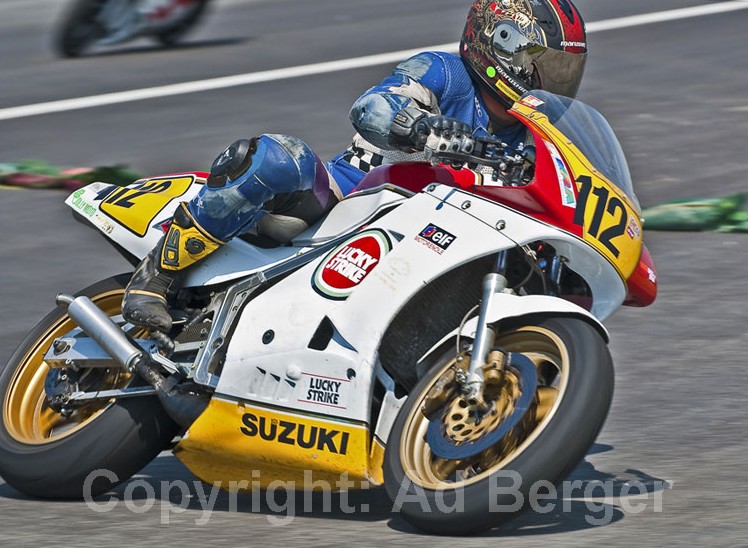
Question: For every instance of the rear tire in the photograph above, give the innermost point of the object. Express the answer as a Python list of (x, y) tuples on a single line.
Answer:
[(550, 442), (42, 453)]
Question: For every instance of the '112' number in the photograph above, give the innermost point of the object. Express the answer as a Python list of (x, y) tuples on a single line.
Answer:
[(605, 202)]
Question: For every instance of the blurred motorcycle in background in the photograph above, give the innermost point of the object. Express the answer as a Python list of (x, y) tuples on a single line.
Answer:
[(90, 23)]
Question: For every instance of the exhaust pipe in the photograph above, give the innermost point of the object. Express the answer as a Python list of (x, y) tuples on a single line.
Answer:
[(182, 407), (102, 329)]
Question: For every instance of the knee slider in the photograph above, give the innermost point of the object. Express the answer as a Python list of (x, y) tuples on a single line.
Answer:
[(232, 162)]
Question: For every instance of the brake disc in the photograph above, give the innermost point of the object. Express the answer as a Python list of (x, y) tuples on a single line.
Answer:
[(459, 431)]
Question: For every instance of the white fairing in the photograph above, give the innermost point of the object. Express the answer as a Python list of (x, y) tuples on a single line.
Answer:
[(269, 358), (237, 258), (280, 371), (505, 306), (88, 202)]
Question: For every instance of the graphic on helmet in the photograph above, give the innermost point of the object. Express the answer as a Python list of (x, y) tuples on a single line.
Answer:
[(513, 46)]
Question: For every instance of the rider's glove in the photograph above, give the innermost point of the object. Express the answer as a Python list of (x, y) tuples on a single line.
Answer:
[(412, 127)]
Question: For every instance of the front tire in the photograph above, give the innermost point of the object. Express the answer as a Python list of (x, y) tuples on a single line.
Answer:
[(462, 496), (80, 28), (46, 454)]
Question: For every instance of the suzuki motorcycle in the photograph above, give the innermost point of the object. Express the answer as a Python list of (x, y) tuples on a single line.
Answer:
[(90, 23), (437, 330)]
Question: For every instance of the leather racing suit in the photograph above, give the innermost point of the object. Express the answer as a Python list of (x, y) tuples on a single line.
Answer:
[(435, 82)]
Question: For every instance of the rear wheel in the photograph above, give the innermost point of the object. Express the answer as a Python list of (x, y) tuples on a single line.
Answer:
[(46, 451), (454, 468)]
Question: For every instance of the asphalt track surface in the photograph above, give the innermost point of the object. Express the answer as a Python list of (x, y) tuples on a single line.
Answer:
[(675, 93)]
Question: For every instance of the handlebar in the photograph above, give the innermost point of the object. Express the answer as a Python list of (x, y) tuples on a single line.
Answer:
[(511, 167)]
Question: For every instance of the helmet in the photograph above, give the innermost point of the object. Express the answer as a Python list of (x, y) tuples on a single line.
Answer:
[(513, 46)]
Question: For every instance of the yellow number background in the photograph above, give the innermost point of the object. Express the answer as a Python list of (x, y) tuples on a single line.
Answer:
[(136, 207)]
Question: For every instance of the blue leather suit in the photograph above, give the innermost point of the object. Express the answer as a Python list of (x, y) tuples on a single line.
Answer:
[(286, 180)]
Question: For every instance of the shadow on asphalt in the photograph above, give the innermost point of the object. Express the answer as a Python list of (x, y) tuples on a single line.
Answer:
[(145, 47), (167, 481)]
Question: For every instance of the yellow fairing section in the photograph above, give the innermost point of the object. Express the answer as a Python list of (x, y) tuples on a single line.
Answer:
[(376, 458), (136, 207), (611, 222), (616, 215), (233, 442), (185, 246)]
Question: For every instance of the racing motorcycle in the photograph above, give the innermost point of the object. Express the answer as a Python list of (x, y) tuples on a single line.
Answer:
[(438, 331), (90, 23)]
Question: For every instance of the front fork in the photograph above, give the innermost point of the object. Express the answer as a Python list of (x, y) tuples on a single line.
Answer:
[(493, 283)]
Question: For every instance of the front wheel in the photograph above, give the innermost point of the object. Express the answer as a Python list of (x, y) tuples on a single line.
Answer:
[(80, 28), (50, 452), (485, 460)]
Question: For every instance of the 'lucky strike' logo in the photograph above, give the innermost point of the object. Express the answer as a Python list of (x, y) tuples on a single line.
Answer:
[(349, 264), (435, 238)]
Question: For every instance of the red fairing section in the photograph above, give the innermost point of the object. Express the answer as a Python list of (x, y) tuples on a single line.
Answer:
[(642, 284), (541, 199), (167, 11), (413, 177)]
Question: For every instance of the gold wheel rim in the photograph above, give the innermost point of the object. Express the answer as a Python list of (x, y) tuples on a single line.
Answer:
[(26, 415), (541, 346)]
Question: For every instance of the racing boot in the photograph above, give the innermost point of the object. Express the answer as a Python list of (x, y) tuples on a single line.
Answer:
[(145, 303)]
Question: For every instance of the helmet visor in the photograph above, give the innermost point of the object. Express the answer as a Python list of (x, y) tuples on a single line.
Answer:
[(538, 66)]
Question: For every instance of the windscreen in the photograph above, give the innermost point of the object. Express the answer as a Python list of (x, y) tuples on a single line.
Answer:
[(591, 134)]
